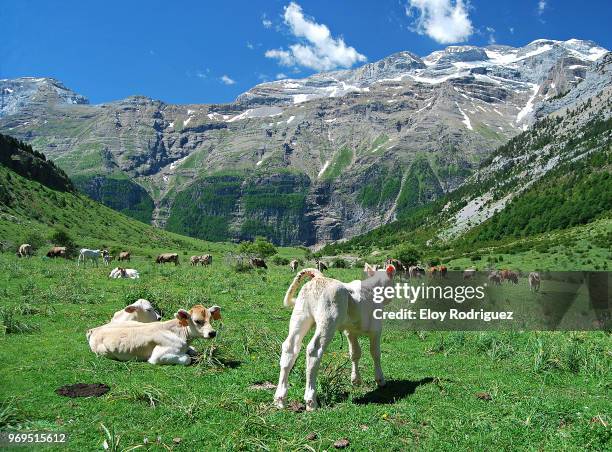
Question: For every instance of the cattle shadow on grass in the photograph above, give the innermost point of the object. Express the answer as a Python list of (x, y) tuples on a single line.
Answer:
[(393, 391)]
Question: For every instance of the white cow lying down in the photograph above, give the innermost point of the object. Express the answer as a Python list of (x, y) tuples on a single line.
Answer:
[(120, 272), (140, 311), (330, 305), (159, 342)]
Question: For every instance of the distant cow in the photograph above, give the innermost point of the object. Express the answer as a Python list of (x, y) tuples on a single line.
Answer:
[(443, 270), (509, 275), (256, 262), (106, 257), (57, 251), (25, 250), (120, 272), (534, 281), (293, 265), (206, 259), (396, 263), (124, 256), (495, 278), (167, 257), (92, 255), (414, 271), (321, 266), (195, 260), (469, 273)]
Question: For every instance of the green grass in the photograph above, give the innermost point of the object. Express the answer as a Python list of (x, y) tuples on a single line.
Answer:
[(549, 391), (341, 160)]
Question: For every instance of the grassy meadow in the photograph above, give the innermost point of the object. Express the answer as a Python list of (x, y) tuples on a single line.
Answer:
[(446, 391)]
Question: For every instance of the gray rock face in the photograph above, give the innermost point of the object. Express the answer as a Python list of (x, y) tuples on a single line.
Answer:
[(336, 154)]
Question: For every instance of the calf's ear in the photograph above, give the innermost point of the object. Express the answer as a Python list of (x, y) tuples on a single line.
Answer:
[(130, 309), (215, 312), (182, 315)]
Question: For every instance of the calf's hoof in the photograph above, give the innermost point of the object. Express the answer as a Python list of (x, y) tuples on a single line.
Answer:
[(311, 405), (279, 403)]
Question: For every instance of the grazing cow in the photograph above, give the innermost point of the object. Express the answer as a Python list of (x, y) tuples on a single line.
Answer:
[(159, 342), (206, 259), (140, 311), (495, 278), (469, 273), (396, 263), (256, 262), (57, 251), (195, 260), (92, 255), (534, 281), (321, 266), (167, 257), (293, 265), (443, 270), (432, 271), (25, 250), (509, 275), (106, 257), (120, 272), (330, 305), (124, 256), (415, 271)]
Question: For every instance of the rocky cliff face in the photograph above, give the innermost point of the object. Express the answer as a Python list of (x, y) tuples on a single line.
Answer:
[(310, 160)]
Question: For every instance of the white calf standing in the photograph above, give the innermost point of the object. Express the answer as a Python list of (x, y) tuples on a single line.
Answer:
[(330, 305), (92, 255), (534, 281)]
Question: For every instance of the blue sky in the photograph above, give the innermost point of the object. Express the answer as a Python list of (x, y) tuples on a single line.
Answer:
[(211, 51)]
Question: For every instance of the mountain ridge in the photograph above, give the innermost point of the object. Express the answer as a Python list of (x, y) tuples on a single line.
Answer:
[(409, 124)]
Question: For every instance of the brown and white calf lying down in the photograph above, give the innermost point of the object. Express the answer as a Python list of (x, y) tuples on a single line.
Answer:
[(159, 342), (329, 305)]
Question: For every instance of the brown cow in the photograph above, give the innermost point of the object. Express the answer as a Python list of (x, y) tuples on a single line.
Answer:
[(25, 250), (57, 251), (256, 262), (195, 260), (399, 266), (443, 270), (509, 275), (124, 256), (167, 257), (495, 278), (206, 259)]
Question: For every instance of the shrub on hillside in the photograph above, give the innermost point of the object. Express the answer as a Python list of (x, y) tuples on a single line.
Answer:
[(279, 260), (260, 247), (339, 263), (408, 254)]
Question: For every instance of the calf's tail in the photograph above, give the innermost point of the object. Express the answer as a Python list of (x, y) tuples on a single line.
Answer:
[(310, 273)]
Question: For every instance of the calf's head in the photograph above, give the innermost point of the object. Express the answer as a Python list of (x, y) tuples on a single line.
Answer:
[(140, 311), (197, 319)]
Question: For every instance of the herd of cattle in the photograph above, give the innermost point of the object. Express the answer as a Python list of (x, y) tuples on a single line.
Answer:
[(137, 332)]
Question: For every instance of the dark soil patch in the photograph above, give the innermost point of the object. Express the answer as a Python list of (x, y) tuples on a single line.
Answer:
[(83, 390)]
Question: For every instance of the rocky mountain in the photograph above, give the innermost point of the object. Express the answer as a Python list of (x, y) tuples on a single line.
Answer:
[(311, 160)]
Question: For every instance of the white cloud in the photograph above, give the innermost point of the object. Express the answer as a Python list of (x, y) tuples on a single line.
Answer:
[(227, 80), (445, 21), (267, 23), (250, 46), (318, 49), (491, 32), (541, 7), (281, 75)]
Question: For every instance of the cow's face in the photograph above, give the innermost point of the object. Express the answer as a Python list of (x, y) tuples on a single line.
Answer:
[(198, 320), (140, 311)]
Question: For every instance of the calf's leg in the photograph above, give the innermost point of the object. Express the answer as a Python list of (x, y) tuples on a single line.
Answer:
[(375, 352), (168, 355), (323, 335), (298, 327), (355, 355)]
